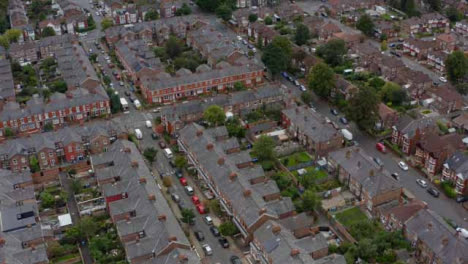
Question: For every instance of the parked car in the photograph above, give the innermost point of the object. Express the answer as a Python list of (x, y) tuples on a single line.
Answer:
[(442, 79), (178, 173), (207, 249), (381, 147), (208, 220), (378, 161), (183, 181), (334, 112), (199, 235), (223, 242), (175, 197), (395, 176), (162, 144), (303, 88), (154, 136), (433, 192), (403, 165), (181, 205), (462, 199), (127, 93), (343, 120), (201, 209), (189, 190), (235, 260), (214, 230), (421, 183), (195, 200)]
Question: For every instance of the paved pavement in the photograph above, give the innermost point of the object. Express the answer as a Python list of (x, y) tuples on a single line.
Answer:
[(444, 206), (75, 215)]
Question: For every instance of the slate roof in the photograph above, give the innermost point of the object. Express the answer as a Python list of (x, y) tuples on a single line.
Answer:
[(247, 207), (6, 78), (311, 124), (438, 236), (137, 55), (458, 162), (364, 170), (407, 125)]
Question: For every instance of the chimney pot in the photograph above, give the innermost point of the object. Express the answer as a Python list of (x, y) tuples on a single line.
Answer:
[(142, 180), (152, 197), (276, 229), (162, 217), (199, 133), (262, 211), (247, 192), (209, 146), (135, 164), (220, 161), (232, 176), (295, 252), (172, 238)]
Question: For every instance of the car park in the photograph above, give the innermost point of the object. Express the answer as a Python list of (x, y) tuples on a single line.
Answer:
[(199, 235), (421, 183), (223, 242), (403, 165), (208, 220), (207, 249), (214, 230), (433, 192)]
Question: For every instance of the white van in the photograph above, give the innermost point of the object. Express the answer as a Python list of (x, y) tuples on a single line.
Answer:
[(138, 133), (148, 124), (168, 153), (137, 104)]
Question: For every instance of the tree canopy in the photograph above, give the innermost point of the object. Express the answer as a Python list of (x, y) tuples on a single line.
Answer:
[(150, 154), (302, 34), (151, 15), (277, 55), (393, 93), (224, 12), (253, 18), (332, 52), (47, 32), (366, 25), (214, 114), (310, 200), (457, 67), (363, 108), (106, 23), (173, 47), (264, 148), (321, 79)]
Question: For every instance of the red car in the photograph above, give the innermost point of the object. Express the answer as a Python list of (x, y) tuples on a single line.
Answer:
[(201, 209), (183, 181), (195, 200), (381, 147)]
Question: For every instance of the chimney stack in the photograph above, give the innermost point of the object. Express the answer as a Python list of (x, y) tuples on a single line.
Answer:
[(134, 164), (152, 197), (232, 176), (142, 180), (221, 161), (247, 193), (199, 133), (162, 217), (172, 238), (276, 229), (209, 146), (295, 252), (262, 211)]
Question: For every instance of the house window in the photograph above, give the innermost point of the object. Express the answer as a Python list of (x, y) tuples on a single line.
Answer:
[(70, 148), (15, 162), (51, 154), (42, 155), (23, 160)]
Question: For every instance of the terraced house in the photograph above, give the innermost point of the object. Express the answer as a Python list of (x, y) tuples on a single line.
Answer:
[(247, 195)]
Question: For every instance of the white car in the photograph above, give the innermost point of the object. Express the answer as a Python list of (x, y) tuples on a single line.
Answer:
[(244, 42), (239, 38), (302, 87), (107, 58), (208, 220), (121, 83), (403, 165), (207, 249), (442, 79), (422, 183), (97, 14)]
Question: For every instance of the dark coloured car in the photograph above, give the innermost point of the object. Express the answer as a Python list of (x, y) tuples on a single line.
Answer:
[(433, 192), (223, 242), (378, 161), (235, 260), (462, 199), (334, 112), (214, 230), (181, 205), (127, 93), (343, 120), (162, 144), (199, 235), (154, 136), (395, 176), (178, 173)]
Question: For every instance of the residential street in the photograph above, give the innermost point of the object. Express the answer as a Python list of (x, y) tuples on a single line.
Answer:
[(444, 206)]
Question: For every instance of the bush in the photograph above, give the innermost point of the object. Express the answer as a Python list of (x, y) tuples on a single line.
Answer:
[(394, 147), (267, 165), (167, 181), (447, 187), (228, 229)]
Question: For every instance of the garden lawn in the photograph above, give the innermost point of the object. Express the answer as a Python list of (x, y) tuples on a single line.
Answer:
[(319, 174), (350, 216), (296, 158)]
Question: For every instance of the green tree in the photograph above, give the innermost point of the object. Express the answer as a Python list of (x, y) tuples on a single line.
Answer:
[(34, 164), (268, 20), (48, 127), (54, 249), (302, 34), (13, 34), (462, 88), (456, 66), (310, 200), (106, 23), (150, 154), (187, 215), (184, 10), (383, 45), (59, 86), (277, 55), (88, 226), (224, 12), (264, 148), (4, 42), (47, 199), (366, 25), (453, 14), (393, 93), (215, 207), (321, 79), (47, 32), (234, 128), (180, 161), (435, 5), (76, 186), (73, 234), (9, 133), (239, 86), (363, 108), (253, 18), (409, 7), (173, 47), (228, 229), (214, 114), (116, 106), (151, 15), (377, 83), (332, 52), (167, 181), (208, 5), (307, 97)]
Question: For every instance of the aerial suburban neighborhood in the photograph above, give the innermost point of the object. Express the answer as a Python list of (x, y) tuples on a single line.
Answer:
[(234, 131)]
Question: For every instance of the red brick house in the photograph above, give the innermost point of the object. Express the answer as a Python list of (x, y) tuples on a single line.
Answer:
[(455, 169), (388, 116), (446, 42), (394, 217), (432, 151), (419, 48), (407, 132)]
